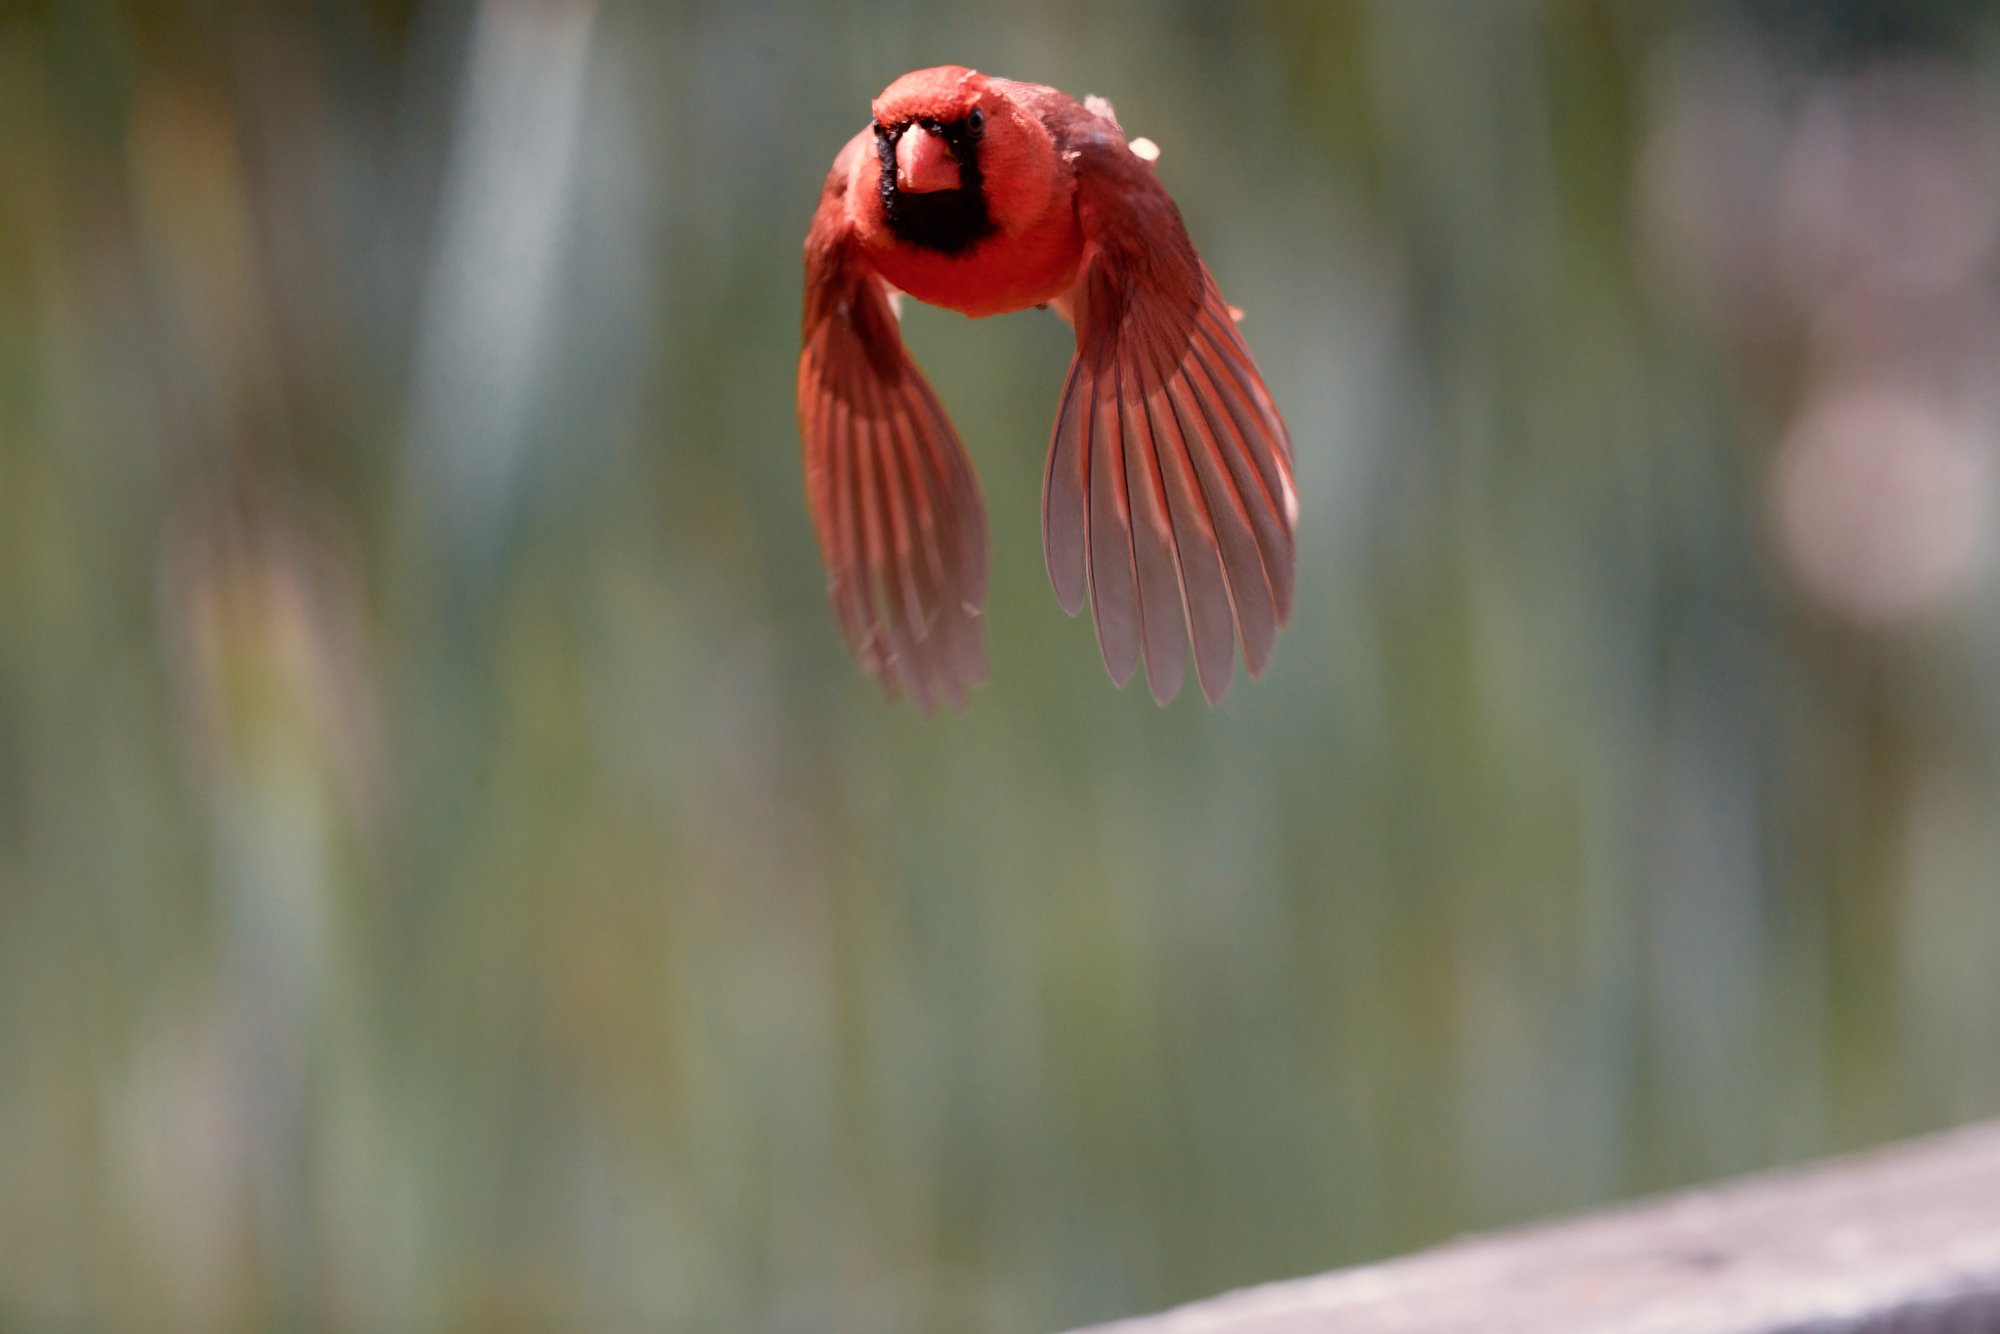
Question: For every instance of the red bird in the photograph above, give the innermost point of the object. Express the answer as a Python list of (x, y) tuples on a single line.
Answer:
[(1168, 493)]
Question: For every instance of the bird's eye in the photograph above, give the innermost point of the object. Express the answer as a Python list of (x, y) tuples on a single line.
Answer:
[(975, 120), (881, 130)]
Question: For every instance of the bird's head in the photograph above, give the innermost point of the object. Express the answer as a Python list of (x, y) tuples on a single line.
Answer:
[(930, 124), (960, 159)]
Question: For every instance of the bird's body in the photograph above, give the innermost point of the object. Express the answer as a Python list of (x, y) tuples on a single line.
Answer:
[(1168, 493)]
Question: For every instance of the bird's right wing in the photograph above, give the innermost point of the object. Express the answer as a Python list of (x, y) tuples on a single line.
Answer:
[(901, 527)]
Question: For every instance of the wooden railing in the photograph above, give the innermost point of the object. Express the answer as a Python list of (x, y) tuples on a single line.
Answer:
[(1902, 1240)]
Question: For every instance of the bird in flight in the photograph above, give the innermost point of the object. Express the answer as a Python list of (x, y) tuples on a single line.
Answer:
[(1168, 497)]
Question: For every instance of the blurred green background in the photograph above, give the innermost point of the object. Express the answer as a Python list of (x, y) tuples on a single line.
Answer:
[(453, 878)]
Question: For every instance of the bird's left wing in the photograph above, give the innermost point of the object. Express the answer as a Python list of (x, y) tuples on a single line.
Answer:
[(1169, 489), (893, 498)]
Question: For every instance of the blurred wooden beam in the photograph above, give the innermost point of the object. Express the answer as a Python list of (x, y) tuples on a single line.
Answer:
[(1905, 1239)]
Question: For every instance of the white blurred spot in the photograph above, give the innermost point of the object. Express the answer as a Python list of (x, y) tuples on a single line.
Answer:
[(1880, 500), (1145, 148)]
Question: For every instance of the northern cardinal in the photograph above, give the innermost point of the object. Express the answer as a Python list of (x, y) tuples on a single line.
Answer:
[(1168, 493)]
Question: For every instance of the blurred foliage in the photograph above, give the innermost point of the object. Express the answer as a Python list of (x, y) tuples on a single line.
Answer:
[(451, 876)]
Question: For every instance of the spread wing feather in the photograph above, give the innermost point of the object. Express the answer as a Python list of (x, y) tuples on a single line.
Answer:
[(1169, 495), (901, 527)]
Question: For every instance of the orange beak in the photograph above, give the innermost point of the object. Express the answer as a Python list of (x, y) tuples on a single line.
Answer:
[(924, 162)]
